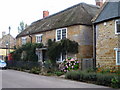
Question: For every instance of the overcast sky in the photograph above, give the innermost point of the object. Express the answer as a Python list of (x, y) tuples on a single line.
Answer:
[(12, 12)]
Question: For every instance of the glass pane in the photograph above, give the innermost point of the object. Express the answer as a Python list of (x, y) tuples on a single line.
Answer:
[(63, 33), (118, 26), (58, 34), (118, 61)]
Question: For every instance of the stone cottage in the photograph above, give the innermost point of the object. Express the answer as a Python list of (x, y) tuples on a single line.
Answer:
[(7, 43), (107, 35), (73, 23)]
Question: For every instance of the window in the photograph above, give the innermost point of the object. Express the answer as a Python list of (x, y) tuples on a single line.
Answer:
[(61, 34), (117, 56), (61, 58), (117, 27), (24, 40), (39, 38)]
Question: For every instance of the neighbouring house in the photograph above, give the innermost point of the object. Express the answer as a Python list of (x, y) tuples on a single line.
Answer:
[(107, 35), (7, 43), (73, 23)]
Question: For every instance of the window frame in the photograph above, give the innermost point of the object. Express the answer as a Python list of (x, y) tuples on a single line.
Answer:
[(116, 26), (61, 59), (24, 40), (40, 36), (117, 50), (61, 34)]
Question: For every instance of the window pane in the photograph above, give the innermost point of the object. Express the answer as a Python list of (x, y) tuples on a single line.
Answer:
[(24, 40), (63, 33), (38, 39), (58, 34), (118, 59), (118, 26)]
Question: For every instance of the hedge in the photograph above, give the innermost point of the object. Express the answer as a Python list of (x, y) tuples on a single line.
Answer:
[(97, 78)]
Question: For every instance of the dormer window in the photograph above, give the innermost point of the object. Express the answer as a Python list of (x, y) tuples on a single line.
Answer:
[(117, 26), (39, 38), (61, 34)]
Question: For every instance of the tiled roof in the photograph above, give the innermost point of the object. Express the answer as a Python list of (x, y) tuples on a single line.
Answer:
[(110, 10)]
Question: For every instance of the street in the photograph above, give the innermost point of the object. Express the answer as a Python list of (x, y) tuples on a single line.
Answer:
[(17, 79)]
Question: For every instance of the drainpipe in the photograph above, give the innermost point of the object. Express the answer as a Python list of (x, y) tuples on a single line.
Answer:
[(94, 46), (30, 38)]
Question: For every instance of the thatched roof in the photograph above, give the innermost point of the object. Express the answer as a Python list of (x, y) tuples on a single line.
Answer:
[(80, 14)]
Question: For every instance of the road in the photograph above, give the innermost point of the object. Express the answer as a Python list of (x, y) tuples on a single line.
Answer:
[(17, 79)]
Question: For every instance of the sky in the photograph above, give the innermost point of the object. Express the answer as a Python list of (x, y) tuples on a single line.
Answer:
[(12, 12)]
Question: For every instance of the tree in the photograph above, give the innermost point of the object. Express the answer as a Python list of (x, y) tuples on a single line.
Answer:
[(22, 27)]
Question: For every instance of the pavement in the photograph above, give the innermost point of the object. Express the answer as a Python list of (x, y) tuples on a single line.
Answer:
[(18, 79)]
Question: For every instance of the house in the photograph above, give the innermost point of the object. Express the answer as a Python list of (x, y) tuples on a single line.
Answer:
[(7, 43), (73, 23), (107, 35)]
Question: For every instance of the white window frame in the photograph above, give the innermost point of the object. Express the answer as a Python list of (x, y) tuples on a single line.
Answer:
[(61, 58), (116, 26), (60, 33), (24, 40), (117, 50), (39, 35)]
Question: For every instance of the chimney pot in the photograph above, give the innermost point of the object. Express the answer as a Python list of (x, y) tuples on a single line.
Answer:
[(99, 3), (45, 14)]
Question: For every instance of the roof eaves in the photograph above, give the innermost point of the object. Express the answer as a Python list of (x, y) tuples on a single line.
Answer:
[(23, 35)]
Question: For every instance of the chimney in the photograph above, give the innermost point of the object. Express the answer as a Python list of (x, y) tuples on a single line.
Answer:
[(99, 3), (3, 34), (45, 14)]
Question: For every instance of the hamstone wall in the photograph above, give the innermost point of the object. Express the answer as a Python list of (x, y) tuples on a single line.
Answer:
[(79, 33), (106, 41)]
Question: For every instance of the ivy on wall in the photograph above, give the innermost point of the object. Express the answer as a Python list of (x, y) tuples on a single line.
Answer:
[(64, 46)]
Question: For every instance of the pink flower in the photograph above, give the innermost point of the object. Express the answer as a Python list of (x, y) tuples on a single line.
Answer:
[(72, 59), (66, 59), (72, 66)]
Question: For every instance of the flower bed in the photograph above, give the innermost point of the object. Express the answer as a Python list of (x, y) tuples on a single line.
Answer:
[(69, 64)]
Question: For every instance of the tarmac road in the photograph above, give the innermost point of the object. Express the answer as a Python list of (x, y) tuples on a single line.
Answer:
[(17, 79)]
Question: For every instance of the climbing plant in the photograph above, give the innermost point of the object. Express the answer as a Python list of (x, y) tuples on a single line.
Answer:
[(63, 46), (27, 52)]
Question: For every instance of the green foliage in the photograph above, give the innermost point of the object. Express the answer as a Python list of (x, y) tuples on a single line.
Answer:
[(115, 82), (74, 75), (98, 78), (35, 70), (104, 79), (22, 26), (58, 73), (26, 52), (63, 46)]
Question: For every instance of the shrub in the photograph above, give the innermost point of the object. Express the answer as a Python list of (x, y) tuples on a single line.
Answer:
[(35, 70), (27, 52), (104, 79), (73, 75), (89, 77), (58, 73), (115, 82), (98, 78), (69, 64)]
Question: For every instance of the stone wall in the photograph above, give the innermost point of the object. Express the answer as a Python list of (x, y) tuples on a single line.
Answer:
[(106, 41), (79, 33)]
